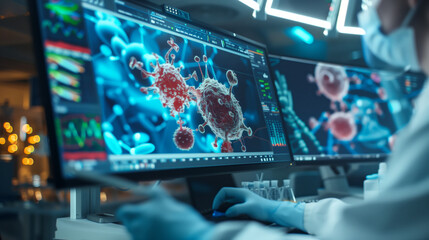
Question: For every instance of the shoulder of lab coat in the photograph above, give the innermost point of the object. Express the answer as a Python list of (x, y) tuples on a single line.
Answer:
[(401, 210)]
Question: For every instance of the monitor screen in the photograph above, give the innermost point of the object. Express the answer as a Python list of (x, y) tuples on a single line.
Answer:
[(335, 112), (134, 90)]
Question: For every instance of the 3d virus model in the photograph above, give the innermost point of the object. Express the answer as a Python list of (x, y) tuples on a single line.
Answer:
[(219, 108), (332, 82), (342, 125), (183, 137), (169, 83)]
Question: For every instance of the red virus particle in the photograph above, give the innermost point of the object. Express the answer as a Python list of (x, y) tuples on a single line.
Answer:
[(342, 126), (220, 109), (378, 109), (332, 82), (183, 137), (312, 122), (169, 83), (376, 78), (392, 140), (382, 93)]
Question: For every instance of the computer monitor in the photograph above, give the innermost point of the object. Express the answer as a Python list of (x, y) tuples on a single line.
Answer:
[(339, 114), (147, 93)]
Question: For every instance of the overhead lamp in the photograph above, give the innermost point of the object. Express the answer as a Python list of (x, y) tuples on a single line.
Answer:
[(296, 17), (341, 28), (260, 14), (251, 3)]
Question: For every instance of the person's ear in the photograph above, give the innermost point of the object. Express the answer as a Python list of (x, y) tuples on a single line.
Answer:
[(412, 3), (392, 13)]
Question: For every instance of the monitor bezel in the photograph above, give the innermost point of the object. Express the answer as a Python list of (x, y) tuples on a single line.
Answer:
[(337, 162), (56, 169)]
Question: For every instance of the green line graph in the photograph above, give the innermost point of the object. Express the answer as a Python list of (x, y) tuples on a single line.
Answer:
[(81, 131)]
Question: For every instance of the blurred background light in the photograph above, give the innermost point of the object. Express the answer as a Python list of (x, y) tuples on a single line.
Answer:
[(341, 21), (298, 33), (296, 17)]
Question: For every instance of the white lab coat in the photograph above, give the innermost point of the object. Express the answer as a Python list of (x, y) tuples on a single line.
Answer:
[(400, 211)]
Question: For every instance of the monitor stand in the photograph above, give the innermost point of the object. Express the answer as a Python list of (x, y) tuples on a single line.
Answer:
[(85, 204), (85, 221), (202, 190), (335, 182)]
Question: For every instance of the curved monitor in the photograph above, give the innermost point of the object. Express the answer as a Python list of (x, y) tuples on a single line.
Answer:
[(340, 114), (140, 92)]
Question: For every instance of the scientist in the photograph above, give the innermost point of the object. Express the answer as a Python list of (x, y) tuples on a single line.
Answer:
[(397, 33)]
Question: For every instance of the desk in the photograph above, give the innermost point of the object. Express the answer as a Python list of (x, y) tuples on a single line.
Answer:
[(83, 229)]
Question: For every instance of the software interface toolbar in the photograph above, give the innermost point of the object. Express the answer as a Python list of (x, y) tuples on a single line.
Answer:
[(135, 89)]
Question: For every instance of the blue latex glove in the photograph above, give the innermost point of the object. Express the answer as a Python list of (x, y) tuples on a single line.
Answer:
[(287, 214), (163, 218)]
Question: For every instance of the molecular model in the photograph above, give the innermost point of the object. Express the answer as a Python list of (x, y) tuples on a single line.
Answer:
[(298, 130)]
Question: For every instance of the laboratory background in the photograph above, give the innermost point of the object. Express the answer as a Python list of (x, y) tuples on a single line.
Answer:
[(102, 101)]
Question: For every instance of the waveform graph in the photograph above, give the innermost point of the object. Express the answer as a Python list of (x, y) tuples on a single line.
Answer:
[(64, 17), (82, 137), (64, 29)]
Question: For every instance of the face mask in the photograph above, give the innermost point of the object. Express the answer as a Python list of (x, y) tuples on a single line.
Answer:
[(397, 49)]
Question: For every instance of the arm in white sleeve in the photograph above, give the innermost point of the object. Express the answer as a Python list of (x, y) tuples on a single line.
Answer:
[(322, 216), (399, 212), (401, 209), (392, 216), (253, 231)]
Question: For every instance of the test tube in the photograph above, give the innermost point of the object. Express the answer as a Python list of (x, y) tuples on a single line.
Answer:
[(245, 185), (274, 193), (288, 194), (256, 187)]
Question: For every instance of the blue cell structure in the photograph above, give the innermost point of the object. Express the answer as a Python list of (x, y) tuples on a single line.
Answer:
[(381, 105), (137, 123)]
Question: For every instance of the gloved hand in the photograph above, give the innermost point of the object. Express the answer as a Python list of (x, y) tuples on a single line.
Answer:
[(287, 214), (163, 218)]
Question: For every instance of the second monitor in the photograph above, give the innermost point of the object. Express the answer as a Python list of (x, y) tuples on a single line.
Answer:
[(341, 113)]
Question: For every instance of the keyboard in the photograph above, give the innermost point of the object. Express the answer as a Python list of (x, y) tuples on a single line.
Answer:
[(308, 199), (217, 218)]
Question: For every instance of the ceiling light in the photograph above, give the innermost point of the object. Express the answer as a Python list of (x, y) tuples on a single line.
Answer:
[(260, 14), (296, 17), (341, 28), (252, 4)]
